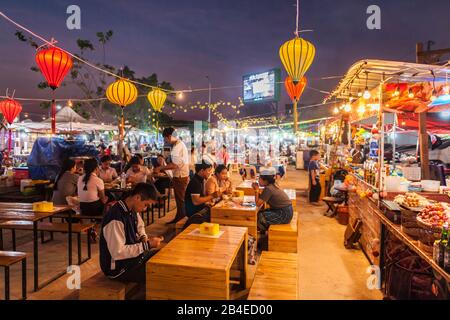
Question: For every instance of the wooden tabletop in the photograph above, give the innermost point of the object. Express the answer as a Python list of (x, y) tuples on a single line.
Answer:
[(247, 184), (202, 252), (230, 205), (24, 211)]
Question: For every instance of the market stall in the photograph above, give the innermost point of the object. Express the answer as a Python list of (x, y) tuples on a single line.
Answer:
[(392, 203)]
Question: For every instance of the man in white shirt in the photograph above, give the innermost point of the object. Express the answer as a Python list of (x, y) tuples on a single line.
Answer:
[(180, 170), (106, 173)]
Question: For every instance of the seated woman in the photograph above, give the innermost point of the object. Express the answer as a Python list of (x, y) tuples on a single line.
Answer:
[(137, 172), (106, 173), (219, 181), (281, 210), (91, 190), (162, 184), (66, 183)]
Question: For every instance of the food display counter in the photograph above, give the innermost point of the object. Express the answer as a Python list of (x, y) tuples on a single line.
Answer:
[(388, 241)]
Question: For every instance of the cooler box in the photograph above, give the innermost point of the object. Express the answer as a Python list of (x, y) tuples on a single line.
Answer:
[(20, 174)]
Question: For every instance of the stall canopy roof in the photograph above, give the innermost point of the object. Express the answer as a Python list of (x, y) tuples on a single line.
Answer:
[(377, 71), (67, 114)]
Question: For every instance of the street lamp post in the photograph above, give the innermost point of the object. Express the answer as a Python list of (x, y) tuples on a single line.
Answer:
[(209, 100)]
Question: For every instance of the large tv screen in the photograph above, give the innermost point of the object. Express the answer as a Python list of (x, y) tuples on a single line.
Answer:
[(262, 87)]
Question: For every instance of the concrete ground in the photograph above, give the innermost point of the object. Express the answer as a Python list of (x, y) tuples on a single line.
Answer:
[(326, 269)]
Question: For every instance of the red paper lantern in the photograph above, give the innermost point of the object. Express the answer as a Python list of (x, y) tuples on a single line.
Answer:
[(295, 91), (54, 64), (10, 109)]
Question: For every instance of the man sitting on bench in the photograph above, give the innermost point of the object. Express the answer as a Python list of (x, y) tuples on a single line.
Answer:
[(124, 245)]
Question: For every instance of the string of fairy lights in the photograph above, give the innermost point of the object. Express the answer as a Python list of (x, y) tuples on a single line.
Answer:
[(123, 92)]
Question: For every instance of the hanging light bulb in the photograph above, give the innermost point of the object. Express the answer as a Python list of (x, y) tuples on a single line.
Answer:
[(396, 93), (433, 95), (366, 94), (180, 95), (69, 103), (336, 110), (360, 93), (347, 107), (410, 94)]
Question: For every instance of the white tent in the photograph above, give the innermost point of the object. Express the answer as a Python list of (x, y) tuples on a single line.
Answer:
[(67, 114), (66, 120)]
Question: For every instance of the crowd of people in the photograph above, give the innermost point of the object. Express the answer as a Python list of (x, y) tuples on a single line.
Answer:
[(124, 244)]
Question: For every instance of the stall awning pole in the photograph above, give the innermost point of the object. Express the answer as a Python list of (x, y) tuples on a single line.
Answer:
[(423, 141), (381, 144)]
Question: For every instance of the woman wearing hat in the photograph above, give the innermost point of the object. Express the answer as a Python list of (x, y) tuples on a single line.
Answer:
[(281, 210)]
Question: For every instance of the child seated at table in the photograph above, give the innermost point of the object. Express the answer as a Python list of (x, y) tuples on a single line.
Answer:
[(281, 210), (124, 244)]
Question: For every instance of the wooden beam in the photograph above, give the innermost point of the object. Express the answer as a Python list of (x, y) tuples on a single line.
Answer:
[(423, 136), (423, 142)]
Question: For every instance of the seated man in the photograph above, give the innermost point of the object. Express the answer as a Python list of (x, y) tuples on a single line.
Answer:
[(106, 172), (137, 172), (124, 245), (196, 200)]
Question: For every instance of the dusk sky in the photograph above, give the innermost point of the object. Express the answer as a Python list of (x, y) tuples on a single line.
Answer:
[(183, 41)]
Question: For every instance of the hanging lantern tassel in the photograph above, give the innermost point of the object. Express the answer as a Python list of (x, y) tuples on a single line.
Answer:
[(9, 141), (295, 117), (122, 125), (53, 116)]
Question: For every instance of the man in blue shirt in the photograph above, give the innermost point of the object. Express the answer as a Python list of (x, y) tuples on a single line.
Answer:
[(314, 177)]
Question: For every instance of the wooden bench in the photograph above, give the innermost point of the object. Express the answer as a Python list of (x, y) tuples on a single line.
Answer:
[(100, 287), (7, 259), (283, 237), (276, 277), (180, 224), (77, 228)]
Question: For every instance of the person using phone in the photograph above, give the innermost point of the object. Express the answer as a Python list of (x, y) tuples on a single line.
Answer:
[(124, 245)]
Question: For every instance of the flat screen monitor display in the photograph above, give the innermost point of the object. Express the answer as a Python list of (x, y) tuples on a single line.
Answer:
[(262, 87)]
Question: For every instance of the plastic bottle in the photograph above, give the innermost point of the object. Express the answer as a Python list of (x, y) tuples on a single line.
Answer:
[(123, 180)]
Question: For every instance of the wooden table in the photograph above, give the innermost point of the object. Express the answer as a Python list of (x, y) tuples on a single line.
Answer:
[(24, 212), (231, 214), (199, 268), (246, 186)]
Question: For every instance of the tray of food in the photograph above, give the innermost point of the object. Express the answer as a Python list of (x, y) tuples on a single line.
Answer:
[(411, 200)]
